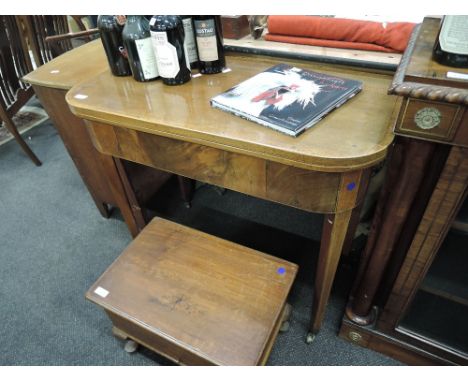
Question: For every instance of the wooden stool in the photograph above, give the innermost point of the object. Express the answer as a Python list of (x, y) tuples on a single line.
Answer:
[(195, 298)]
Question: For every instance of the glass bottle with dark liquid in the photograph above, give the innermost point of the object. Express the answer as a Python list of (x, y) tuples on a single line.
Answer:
[(167, 34), (137, 42), (209, 38), (451, 45), (189, 42), (110, 29)]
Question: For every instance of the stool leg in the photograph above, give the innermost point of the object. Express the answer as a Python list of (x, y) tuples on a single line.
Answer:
[(120, 334), (285, 319), (130, 345)]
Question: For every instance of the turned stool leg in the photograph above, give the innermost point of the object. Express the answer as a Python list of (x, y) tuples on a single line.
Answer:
[(130, 345), (285, 319)]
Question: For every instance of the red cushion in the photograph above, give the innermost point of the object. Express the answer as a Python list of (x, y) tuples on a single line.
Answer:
[(327, 43), (325, 31)]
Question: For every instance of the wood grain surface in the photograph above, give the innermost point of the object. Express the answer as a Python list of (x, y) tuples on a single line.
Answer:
[(71, 67), (248, 42), (354, 136), (87, 159), (422, 68), (445, 202), (200, 296), (308, 190)]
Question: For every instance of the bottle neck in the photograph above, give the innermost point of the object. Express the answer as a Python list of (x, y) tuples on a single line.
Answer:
[(134, 18)]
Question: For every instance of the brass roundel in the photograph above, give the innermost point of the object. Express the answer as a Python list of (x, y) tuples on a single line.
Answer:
[(354, 336), (427, 118)]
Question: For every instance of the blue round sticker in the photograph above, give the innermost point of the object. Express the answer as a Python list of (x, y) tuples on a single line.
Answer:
[(351, 186)]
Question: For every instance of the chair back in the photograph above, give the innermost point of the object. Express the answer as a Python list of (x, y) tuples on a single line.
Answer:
[(15, 62), (38, 28)]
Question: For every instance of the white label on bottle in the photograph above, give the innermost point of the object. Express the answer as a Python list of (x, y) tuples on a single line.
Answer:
[(147, 58), (206, 40), (189, 41), (166, 54), (454, 34)]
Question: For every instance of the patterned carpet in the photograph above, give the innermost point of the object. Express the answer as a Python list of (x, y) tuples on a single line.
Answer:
[(54, 245), (27, 118)]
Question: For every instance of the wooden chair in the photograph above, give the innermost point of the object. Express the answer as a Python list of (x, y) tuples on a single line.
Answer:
[(49, 36), (15, 62)]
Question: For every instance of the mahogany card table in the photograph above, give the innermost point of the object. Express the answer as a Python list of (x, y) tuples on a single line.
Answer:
[(325, 170)]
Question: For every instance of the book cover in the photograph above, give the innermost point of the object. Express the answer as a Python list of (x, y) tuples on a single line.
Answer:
[(287, 98)]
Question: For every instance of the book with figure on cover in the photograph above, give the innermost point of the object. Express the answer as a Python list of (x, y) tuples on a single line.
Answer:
[(287, 98)]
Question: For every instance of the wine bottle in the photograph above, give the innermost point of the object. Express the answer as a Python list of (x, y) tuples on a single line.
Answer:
[(209, 37), (167, 34), (451, 45), (137, 41), (110, 29), (190, 42)]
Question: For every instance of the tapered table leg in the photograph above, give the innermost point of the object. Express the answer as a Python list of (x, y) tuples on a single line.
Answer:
[(335, 230)]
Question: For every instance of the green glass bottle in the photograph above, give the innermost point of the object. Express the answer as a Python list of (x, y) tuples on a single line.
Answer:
[(137, 41)]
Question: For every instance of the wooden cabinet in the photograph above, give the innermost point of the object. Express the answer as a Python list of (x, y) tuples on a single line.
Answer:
[(410, 298)]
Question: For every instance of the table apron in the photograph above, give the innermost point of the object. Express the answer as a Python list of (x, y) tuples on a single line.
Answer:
[(308, 190)]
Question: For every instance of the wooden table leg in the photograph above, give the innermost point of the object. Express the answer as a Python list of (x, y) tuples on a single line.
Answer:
[(187, 188), (133, 218), (335, 229), (333, 236)]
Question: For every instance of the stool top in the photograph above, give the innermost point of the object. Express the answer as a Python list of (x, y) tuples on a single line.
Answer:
[(214, 298)]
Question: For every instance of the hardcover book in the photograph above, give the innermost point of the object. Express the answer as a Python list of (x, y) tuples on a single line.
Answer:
[(287, 98)]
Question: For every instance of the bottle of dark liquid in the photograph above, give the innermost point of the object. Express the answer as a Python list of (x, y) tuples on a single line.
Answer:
[(167, 34), (209, 38), (110, 28), (190, 43), (137, 41), (451, 45)]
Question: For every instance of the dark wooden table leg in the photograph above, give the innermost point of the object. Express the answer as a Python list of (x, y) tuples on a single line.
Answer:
[(126, 200), (133, 218), (335, 229), (187, 188)]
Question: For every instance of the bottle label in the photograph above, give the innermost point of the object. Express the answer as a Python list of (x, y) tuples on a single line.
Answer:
[(206, 39), (166, 53), (147, 58), (120, 19), (454, 34), (189, 41)]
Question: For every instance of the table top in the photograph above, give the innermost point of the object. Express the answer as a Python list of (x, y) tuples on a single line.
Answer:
[(215, 298), (422, 68), (354, 136), (71, 67)]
